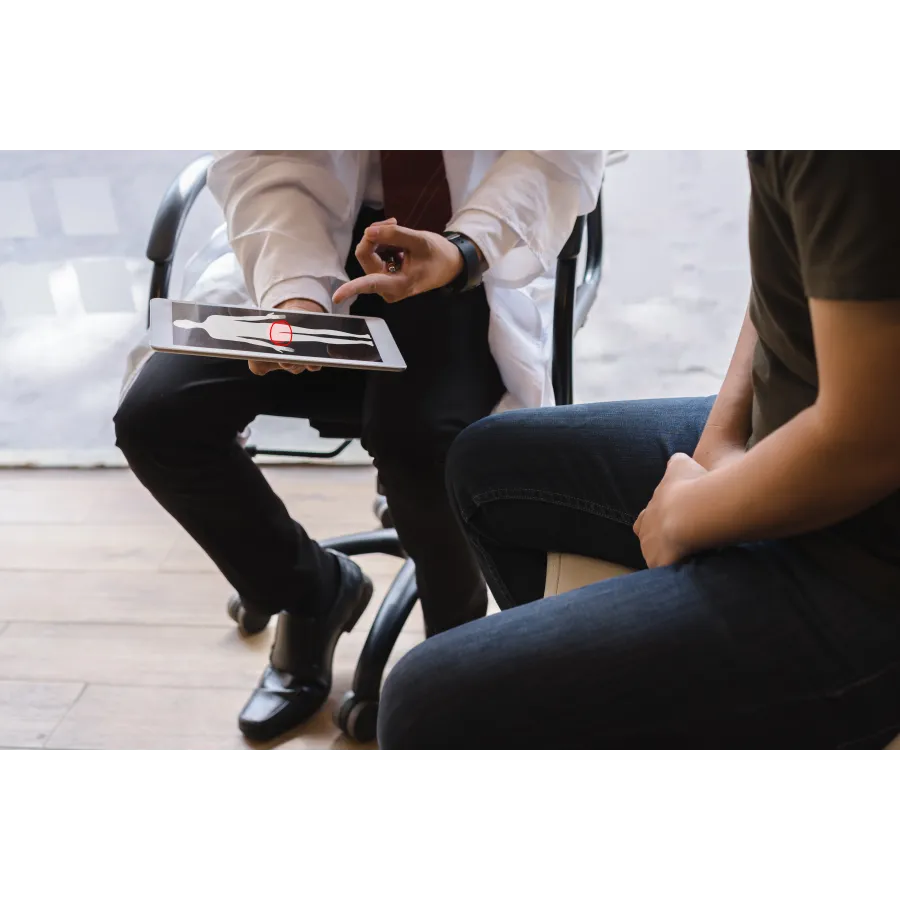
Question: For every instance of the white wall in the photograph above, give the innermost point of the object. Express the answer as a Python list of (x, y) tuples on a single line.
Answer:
[(676, 277), (73, 288)]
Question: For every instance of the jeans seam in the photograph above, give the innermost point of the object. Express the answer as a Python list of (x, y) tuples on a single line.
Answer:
[(565, 500)]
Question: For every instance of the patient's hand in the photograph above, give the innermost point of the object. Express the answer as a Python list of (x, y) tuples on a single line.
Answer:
[(260, 367), (428, 261), (661, 527)]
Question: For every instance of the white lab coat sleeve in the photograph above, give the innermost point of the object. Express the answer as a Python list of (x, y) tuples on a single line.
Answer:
[(523, 211), (287, 212)]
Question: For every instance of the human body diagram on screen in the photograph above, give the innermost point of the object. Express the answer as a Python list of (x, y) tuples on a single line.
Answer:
[(271, 331)]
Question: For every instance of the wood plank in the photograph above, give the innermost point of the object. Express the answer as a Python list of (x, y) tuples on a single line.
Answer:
[(146, 655), (52, 496), (320, 479), (187, 556), (26, 504), (83, 547), (127, 504), (152, 598), (29, 711), (90, 478), (115, 496), (159, 718), (321, 520), (317, 479)]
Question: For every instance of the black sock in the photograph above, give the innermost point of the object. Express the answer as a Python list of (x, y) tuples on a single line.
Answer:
[(319, 597)]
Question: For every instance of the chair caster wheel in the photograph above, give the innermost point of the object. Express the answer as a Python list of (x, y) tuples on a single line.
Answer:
[(357, 718), (248, 623), (382, 513)]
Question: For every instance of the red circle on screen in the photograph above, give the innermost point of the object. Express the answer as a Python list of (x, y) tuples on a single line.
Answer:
[(280, 333)]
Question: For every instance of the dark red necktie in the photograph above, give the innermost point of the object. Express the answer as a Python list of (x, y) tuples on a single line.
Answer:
[(415, 188)]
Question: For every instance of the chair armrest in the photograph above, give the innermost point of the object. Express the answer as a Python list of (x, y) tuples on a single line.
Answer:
[(594, 229), (587, 290), (170, 219), (572, 246), (174, 209)]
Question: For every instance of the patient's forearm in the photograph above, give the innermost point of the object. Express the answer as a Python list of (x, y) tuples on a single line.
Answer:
[(729, 419), (804, 476)]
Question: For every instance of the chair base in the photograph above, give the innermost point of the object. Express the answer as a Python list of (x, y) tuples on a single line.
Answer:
[(248, 623)]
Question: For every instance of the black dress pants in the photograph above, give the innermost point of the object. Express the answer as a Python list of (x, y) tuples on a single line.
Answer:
[(178, 427)]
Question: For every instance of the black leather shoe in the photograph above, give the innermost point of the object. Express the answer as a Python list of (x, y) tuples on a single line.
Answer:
[(297, 680)]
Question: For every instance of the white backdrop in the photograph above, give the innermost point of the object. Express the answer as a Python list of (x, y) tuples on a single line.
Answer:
[(73, 287)]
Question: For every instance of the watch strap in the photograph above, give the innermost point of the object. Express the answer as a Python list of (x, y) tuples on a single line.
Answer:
[(474, 266)]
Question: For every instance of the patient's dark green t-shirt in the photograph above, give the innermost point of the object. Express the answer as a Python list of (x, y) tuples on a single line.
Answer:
[(823, 225)]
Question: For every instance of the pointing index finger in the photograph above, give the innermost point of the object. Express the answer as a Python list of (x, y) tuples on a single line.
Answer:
[(379, 283)]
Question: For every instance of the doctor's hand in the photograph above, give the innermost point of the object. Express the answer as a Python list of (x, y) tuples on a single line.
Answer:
[(260, 367), (425, 261)]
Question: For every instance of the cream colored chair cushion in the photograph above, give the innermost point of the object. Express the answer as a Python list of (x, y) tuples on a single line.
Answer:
[(566, 572)]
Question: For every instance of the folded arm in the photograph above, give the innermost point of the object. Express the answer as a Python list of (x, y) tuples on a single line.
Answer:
[(728, 427), (830, 462)]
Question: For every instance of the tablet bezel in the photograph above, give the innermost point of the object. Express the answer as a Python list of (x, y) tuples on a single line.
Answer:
[(162, 339)]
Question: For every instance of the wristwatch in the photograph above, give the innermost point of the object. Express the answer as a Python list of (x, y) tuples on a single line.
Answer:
[(474, 264)]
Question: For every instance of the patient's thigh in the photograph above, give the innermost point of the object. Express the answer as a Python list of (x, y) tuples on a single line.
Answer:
[(570, 479)]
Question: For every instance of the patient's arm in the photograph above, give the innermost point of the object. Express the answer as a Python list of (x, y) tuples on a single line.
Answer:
[(728, 428), (830, 462)]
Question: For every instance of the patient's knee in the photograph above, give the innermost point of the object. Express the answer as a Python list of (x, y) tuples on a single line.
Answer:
[(443, 694), (480, 456), (410, 713)]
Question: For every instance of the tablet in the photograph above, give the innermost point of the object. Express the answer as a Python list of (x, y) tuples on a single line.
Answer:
[(275, 335)]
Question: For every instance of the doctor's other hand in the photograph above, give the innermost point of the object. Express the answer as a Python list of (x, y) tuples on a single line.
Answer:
[(259, 367), (424, 261)]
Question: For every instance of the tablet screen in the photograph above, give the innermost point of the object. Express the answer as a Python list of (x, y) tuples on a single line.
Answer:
[(285, 332)]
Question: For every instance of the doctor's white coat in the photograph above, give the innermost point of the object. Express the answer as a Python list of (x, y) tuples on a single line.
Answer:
[(290, 217)]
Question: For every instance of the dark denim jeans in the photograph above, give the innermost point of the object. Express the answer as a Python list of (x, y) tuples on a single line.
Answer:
[(752, 646)]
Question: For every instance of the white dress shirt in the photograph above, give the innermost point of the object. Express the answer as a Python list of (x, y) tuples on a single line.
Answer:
[(290, 217)]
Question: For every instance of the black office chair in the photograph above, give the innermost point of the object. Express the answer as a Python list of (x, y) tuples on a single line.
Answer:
[(358, 711)]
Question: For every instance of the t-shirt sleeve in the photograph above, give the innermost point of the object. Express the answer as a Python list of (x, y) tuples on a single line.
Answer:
[(845, 211)]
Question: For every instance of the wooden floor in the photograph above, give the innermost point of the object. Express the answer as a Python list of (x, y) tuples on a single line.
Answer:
[(113, 632)]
